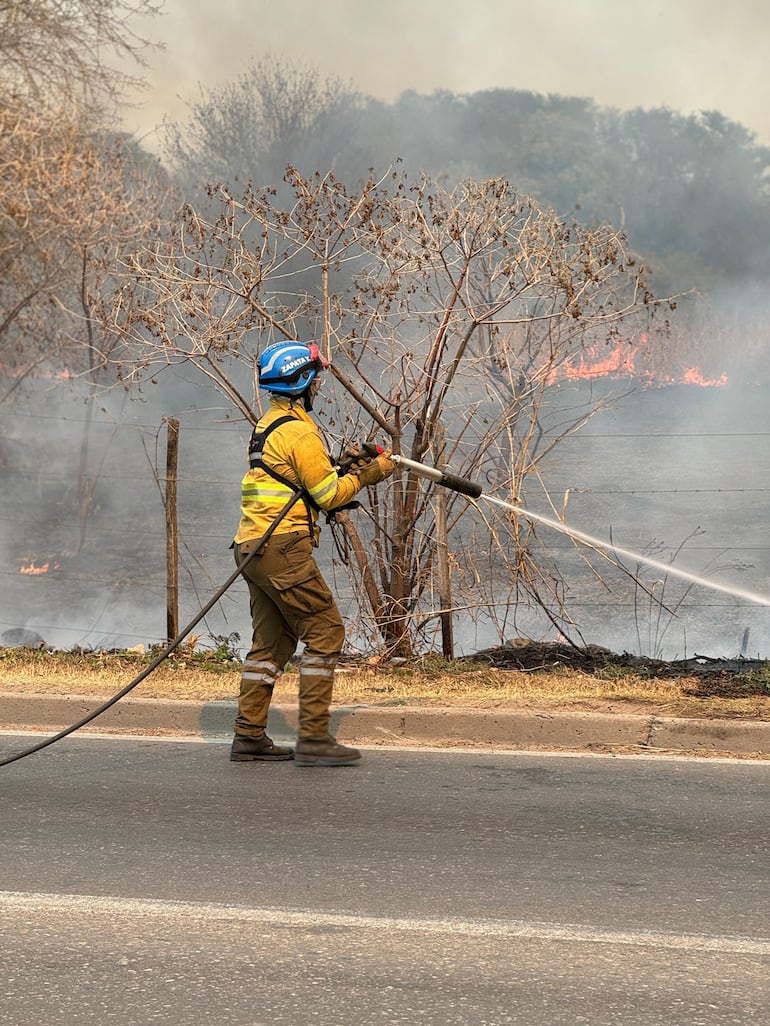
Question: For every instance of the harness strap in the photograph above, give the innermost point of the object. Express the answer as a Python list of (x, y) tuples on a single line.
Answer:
[(256, 462)]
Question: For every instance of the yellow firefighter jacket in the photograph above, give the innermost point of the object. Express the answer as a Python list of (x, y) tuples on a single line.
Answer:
[(296, 451)]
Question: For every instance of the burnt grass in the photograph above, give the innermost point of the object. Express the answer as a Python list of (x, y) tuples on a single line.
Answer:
[(713, 677)]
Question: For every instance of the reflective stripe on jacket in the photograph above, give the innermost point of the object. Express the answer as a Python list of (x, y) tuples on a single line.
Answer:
[(296, 451)]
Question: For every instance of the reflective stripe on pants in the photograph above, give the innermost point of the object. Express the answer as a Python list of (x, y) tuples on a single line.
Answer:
[(291, 603), (258, 679)]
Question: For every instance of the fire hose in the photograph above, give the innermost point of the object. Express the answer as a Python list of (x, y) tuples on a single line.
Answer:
[(358, 457), (170, 647), (439, 477), (368, 450)]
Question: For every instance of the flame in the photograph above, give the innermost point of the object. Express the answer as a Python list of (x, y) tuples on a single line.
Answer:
[(617, 363), (33, 568), (693, 376), (595, 362), (22, 372)]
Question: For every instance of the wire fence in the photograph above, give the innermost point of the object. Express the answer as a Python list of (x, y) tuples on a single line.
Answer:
[(112, 584)]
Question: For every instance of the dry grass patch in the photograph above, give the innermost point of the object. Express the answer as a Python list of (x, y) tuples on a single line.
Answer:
[(211, 677)]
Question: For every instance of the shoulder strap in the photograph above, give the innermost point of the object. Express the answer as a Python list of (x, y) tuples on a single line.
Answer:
[(258, 439), (256, 446)]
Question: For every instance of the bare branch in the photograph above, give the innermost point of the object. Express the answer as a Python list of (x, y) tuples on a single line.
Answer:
[(458, 311)]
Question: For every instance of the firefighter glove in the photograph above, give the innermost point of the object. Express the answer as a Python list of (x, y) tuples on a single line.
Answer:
[(357, 456), (376, 471)]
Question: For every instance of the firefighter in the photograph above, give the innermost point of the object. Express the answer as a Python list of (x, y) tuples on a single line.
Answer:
[(290, 600)]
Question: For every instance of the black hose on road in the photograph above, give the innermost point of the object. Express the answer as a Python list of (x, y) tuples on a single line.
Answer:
[(172, 645)]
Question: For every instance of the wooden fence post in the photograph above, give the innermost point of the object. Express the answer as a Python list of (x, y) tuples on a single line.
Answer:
[(172, 541)]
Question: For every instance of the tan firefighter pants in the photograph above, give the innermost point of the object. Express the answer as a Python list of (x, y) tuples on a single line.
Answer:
[(290, 603)]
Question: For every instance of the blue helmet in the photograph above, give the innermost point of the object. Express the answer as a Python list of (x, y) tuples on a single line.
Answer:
[(289, 368)]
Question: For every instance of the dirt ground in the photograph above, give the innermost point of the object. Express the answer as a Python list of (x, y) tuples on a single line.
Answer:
[(518, 674)]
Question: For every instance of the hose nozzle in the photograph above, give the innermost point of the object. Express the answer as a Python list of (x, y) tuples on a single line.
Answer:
[(439, 477)]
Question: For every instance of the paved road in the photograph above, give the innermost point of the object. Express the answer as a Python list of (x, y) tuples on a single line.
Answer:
[(152, 881)]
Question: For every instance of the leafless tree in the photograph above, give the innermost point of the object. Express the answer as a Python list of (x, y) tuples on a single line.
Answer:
[(71, 195), (448, 316), (56, 86), (70, 52), (249, 129), (120, 199), (71, 204)]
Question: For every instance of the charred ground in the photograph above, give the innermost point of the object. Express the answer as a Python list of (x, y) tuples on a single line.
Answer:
[(724, 678)]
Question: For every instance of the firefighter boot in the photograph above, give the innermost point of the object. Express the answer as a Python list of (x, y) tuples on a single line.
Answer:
[(251, 743), (315, 745), (258, 749), (324, 751)]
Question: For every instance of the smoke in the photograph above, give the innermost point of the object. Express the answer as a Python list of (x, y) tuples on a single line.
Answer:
[(690, 56), (110, 591), (673, 472)]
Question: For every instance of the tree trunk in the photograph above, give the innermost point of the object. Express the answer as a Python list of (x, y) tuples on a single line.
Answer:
[(444, 577)]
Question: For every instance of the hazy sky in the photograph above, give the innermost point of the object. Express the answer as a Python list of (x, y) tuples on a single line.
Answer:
[(684, 54)]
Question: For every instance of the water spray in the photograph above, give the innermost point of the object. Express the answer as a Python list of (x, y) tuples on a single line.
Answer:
[(444, 479), (475, 491)]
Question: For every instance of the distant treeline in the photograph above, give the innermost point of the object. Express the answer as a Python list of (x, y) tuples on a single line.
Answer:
[(692, 192)]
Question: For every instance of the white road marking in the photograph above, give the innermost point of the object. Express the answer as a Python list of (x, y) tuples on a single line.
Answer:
[(489, 750), (18, 901)]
